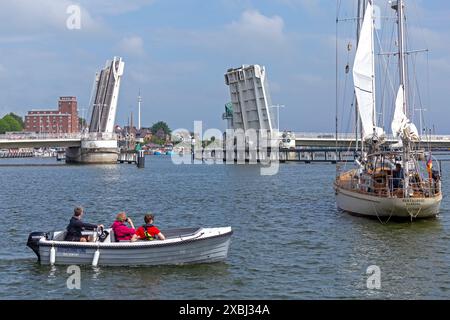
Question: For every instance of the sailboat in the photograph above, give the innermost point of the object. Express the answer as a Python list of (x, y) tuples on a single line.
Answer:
[(388, 181)]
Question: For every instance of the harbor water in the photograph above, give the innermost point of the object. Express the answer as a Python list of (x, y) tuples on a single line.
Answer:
[(289, 241)]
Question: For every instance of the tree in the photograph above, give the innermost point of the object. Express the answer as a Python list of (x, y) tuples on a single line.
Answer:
[(13, 124), (4, 126), (18, 118), (161, 125), (82, 123), (157, 140)]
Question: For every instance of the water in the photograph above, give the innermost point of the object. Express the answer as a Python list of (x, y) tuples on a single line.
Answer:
[(289, 241)]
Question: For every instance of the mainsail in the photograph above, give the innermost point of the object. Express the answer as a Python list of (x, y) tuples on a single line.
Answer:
[(364, 77)]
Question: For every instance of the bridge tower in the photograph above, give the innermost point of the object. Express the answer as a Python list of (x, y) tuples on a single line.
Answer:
[(99, 145)]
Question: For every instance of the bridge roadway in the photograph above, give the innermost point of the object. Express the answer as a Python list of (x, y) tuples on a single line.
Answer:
[(65, 140), (302, 139), (346, 140)]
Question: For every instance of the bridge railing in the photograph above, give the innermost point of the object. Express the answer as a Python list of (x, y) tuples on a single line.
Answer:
[(351, 136), (57, 136), (39, 136), (323, 135), (98, 136)]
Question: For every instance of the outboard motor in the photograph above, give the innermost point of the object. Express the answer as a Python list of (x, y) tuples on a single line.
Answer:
[(33, 242)]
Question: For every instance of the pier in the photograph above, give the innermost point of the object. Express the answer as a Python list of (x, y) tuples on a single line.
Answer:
[(19, 154), (310, 155)]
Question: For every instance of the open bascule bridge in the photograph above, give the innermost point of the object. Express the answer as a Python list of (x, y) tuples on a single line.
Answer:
[(99, 144), (250, 108)]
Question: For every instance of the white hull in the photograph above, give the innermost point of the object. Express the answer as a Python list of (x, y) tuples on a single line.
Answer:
[(372, 206), (205, 245)]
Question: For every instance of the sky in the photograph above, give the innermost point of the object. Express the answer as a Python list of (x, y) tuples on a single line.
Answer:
[(177, 51)]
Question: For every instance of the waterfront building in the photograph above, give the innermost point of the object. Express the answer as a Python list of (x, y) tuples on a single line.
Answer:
[(62, 120)]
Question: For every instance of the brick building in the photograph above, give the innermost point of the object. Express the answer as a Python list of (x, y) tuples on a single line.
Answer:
[(63, 120)]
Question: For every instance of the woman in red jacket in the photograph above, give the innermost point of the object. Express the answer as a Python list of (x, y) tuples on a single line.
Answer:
[(121, 231)]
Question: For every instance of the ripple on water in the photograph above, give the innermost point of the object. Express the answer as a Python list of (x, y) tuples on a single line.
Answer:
[(289, 240)]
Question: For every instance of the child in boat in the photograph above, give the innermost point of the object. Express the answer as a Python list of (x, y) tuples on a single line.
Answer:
[(76, 226), (148, 231), (121, 231)]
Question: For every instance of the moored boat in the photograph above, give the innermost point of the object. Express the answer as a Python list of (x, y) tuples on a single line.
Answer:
[(389, 180)]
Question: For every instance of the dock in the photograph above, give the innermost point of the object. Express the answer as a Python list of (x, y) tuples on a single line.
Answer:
[(308, 156)]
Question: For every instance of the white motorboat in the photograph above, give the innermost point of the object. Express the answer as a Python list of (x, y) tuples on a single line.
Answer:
[(181, 246)]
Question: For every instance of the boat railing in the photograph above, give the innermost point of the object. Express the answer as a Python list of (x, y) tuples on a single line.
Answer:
[(391, 187)]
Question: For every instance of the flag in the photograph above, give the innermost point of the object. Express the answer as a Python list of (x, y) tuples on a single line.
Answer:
[(429, 164)]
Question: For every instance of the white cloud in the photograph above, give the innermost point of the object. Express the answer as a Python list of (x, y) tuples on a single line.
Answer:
[(253, 35), (133, 45), (253, 24)]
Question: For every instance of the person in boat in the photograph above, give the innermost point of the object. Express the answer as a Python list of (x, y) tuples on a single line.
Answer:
[(148, 231), (436, 178), (76, 226), (397, 176), (122, 232)]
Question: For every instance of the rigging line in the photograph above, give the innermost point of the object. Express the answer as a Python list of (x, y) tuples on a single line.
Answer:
[(353, 105), (388, 63), (337, 70), (344, 96), (419, 22), (418, 90), (428, 82), (413, 80), (386, 74), (383, 60)]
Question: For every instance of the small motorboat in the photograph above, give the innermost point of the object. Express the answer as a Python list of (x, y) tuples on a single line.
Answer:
[(181, 246)]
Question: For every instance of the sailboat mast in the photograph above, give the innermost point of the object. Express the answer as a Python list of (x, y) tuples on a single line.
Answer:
[(401, 47), (361, 10), (374, 113), (399, 6)]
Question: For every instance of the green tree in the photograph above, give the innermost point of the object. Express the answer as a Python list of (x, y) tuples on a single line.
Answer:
[(13, 124), (18, 118), (161, 125), (4, 126), (157, 140), (82, 123)]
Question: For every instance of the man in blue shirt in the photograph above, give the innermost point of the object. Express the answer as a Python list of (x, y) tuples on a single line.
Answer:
[(76, 226)]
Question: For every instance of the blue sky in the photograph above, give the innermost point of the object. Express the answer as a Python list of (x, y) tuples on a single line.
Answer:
[(176, 52)]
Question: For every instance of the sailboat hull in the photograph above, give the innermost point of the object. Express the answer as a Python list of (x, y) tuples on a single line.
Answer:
[(373, 206)]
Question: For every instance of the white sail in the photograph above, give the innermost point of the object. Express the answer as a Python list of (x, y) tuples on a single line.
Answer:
[(401, 126), (399, 115), (364, 76)]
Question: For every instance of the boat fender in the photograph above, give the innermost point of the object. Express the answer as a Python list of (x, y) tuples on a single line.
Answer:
[(52, 255), (96, 257)]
